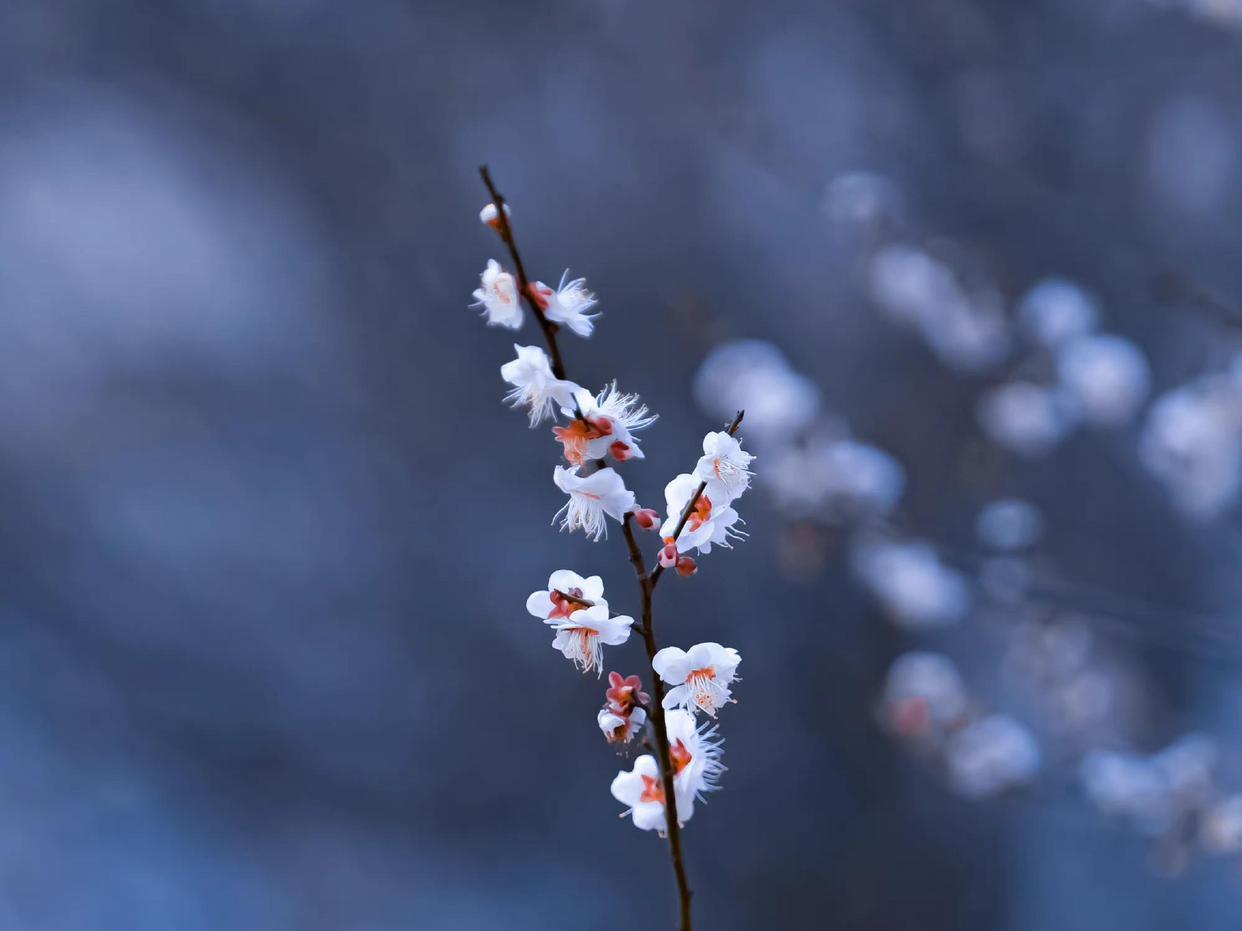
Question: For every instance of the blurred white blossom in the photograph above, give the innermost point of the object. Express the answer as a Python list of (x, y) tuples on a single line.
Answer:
[(911, 583), (1025, 418), (992, 755), (754, 375), (1055, 310), (966, 331), (923, 693), (1192, 442), (1009, 524), (1107, 376)]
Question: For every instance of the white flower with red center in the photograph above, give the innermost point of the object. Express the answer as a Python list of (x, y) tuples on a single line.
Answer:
[(708, 525), (725, 467), (565, 595), (498, 296), (582, 635), (591, 497), (604, 426), (696, 759), (568, 304), (700, 676), (621, 728), (534, 384), (642, 792)]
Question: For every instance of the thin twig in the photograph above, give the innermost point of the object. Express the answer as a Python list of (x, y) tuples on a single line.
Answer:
[(689, 509)]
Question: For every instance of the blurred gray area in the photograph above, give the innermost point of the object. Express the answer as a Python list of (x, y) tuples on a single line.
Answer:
[(268, 532)]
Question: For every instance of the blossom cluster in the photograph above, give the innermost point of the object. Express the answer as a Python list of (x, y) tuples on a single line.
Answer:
[(596, 431)]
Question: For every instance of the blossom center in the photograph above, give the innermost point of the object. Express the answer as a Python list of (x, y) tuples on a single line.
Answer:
[(701, 514), (563, 606), (703, 688), (653, 790), (680, 755), (578, 434)]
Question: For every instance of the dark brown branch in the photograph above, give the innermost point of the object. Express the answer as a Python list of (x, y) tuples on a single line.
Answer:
[(689, 509)]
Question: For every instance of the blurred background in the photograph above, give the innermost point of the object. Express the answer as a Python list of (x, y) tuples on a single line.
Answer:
[(268, 531)]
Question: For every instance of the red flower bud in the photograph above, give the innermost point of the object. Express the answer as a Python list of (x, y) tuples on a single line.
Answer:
[(668, 554), (687, 567), (647, 518)]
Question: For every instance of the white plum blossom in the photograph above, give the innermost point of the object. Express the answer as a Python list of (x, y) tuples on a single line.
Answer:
[(568, 304), (725, 466), (700, 676), (581, 635), (603, 492), (611, 419), (551, 603), (992, 755), (696, 759), (708, 525), (621, 728), (534, 384), (695, 756), (642, 792), (498, 296)]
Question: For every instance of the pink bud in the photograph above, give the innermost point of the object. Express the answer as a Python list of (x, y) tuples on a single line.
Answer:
[(647, 518), (621, 451), (687, 567), (668, 554)]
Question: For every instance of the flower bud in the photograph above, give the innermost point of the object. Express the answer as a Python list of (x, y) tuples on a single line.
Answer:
[(668, 554), (491, 216), (647, 518), (687, 567)]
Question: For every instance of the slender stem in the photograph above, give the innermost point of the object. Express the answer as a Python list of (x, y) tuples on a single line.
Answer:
[(506, 233), (689, 508)]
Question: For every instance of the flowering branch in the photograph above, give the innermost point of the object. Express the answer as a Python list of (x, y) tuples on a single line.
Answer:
[(506, 233), (662, 788), (694, 500)]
